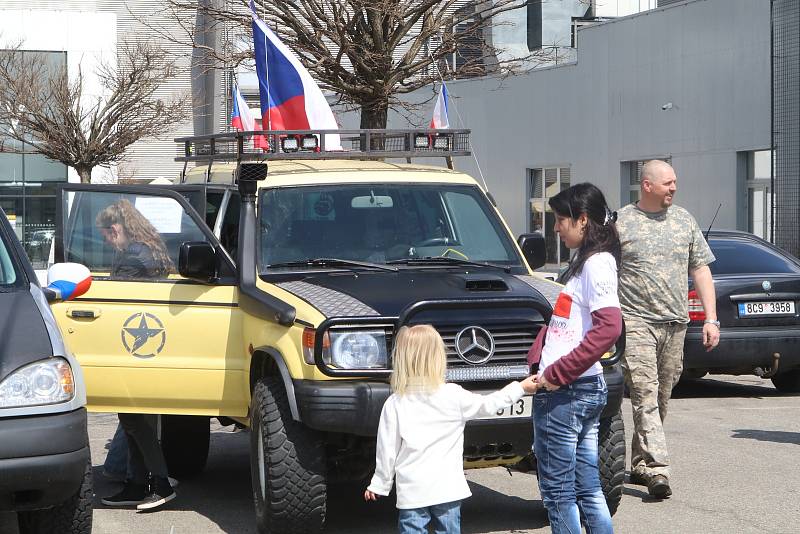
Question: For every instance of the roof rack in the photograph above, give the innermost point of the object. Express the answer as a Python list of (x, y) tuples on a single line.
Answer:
[(314, 144)]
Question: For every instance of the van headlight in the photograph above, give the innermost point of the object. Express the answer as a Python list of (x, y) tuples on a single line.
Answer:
[(47, 381), (360, 349)]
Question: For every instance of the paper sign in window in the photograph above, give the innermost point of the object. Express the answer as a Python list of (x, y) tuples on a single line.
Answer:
[(163, 213)]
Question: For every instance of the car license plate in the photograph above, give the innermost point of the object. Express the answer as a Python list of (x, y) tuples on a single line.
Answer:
[(522, 408), (767, 307)]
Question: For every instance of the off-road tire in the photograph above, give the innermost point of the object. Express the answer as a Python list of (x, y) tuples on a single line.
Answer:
[(787, 382), (611, 461), (289, 460), (73, 516), (184, 440)]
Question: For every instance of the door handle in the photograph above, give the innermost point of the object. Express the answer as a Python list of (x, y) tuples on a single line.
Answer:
[(83, 313)]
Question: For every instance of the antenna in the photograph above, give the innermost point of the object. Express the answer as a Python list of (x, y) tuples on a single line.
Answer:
[(714, 218)]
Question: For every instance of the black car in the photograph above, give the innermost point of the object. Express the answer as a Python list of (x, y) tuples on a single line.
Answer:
[(45, 465), (758, 306)]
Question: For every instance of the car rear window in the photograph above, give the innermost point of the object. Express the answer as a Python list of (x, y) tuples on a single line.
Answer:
[(741, 257)]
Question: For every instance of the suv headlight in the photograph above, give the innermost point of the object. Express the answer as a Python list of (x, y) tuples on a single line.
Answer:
[(362, 349), (349, 349), (47, 381)]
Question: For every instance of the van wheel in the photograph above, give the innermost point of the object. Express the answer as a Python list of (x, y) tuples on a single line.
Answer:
[(788, 382), (287, 463), (73, 516), (611, 462), (184, 440)]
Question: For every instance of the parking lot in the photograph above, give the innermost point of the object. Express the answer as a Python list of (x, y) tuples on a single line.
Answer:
[(734, 441)]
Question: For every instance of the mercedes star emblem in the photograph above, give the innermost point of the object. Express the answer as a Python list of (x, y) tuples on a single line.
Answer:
[(474, 345)]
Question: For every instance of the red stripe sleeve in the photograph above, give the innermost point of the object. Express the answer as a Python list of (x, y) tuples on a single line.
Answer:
[(606, 328)]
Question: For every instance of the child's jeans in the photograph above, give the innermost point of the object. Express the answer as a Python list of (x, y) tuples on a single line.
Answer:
[(565, 443), (445, 519)]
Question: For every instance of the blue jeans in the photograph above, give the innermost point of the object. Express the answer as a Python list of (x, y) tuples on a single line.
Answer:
[(117, 458), (566, 425), (445, 518)]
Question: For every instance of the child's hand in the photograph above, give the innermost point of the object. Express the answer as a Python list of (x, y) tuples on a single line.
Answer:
[(530, 384), (369, 496)]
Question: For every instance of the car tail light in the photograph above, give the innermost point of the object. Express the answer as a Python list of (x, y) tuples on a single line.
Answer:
[(696, 311)]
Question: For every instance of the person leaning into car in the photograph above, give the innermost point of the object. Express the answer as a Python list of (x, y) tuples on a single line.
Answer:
[(661, 245), (139, 252)]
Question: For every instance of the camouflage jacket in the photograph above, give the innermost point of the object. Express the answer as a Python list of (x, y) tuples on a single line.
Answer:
[(658, 251)]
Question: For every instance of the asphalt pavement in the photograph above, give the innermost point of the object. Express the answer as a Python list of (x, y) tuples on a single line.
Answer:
[(734, 443)]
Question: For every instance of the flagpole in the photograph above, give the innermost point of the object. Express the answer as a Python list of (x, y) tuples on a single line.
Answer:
[(472, 150)]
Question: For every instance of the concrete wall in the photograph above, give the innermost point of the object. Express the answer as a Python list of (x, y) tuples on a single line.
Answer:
[(709, 58)]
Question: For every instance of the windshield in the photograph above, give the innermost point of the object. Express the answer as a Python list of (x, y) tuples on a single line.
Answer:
[(381, 223), (741, 257), (8, 272)]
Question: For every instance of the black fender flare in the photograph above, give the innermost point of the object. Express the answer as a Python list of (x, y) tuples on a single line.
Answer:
[(271, 354)]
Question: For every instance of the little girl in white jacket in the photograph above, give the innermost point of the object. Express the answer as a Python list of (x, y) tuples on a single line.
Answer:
[(421, 433)]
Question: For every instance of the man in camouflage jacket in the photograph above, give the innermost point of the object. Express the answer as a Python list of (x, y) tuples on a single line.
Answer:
[(662, 246)]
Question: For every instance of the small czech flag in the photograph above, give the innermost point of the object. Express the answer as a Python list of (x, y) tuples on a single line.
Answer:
[(69, 280)]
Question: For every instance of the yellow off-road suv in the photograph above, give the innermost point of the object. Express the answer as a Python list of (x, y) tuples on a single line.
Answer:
[(294, 267)]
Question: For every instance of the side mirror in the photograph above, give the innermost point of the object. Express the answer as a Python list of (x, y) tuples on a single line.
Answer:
[(66, 281), (533, 248), (197, 260)]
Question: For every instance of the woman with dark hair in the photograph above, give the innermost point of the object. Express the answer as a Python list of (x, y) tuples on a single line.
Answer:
[(585, 324)]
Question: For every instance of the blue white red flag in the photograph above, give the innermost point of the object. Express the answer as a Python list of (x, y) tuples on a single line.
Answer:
[(440, 120), (290, 98), (241, 117)]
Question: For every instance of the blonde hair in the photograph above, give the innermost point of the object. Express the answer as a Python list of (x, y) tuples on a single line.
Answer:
[(138, 230), (418, 359)]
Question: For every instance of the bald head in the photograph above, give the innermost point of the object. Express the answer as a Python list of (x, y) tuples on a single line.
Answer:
[(658, 185)]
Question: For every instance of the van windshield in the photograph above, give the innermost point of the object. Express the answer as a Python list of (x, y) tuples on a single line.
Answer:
[(8, 271), (380, 223)]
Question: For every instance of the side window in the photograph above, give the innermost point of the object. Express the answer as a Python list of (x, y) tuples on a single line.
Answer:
[(229, 231), (129, 236)]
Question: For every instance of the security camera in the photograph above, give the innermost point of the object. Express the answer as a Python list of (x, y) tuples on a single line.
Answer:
[(667, 106)]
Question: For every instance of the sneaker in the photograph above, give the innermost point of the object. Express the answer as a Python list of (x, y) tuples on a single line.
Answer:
[(131, 495), (638, 479), (658, 487), (160, 493)]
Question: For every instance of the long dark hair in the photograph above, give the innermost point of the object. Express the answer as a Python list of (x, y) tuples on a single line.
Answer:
[(601, 230)]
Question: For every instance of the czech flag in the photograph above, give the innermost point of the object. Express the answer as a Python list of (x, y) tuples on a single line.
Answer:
[(242, 119), (290, 98), (440, 120), (69, 280)]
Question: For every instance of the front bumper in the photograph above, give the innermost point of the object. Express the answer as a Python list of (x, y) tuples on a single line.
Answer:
[(742, 350), (354, 407), (42, 459)]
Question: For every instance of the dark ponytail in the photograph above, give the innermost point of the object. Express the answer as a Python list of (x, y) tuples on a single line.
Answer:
[(601, 231)]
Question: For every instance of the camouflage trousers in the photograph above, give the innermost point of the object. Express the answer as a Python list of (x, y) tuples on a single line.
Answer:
[(652, 365)]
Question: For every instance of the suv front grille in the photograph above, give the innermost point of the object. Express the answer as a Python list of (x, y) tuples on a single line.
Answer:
[(511, 343)]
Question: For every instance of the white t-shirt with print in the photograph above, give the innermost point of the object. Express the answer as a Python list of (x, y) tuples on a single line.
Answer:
[(595, 287)]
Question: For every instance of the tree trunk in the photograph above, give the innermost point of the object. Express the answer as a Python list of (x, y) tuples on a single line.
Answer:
[(374, 114), (85, 173)]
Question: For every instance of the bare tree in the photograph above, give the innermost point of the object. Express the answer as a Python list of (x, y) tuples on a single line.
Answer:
[(369, 52), (45, 110)]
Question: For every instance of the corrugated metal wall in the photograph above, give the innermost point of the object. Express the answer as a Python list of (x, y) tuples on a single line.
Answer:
[(786, 123)]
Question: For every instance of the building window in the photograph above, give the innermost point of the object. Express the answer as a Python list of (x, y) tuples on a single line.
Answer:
[(28, 188), (544, 183), (759, 199), (631, 179)]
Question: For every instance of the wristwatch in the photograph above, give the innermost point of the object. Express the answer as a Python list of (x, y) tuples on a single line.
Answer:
[(712, 321)]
